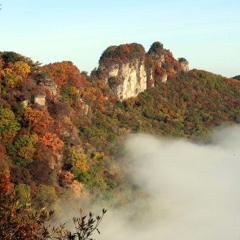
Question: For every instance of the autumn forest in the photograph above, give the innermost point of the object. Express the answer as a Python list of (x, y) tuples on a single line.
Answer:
[(62, 130)]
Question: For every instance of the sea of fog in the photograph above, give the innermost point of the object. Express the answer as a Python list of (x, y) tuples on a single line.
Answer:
[(194, 190)]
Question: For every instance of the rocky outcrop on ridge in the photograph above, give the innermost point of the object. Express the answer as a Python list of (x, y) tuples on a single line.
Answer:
[(129, 70)]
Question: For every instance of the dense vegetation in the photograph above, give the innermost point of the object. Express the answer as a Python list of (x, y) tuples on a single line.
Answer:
[(123, 53), (19, 220), (62, 131)]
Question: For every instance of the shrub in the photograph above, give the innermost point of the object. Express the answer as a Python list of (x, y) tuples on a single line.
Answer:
[(19, 220)]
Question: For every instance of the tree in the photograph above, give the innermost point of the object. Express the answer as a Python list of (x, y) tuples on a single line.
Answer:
[(10, 78), (64, 73), (46, 195), (52, 141), (8, 124), (21, 68), (7, 120), (14, 73), (24, 149), (11, 57), (78, 159), (84, 226), (40, 172), (38, 120), (19, 220), (156, 48)]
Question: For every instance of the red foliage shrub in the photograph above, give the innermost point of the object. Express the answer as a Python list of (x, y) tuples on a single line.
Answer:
[(4, 183)]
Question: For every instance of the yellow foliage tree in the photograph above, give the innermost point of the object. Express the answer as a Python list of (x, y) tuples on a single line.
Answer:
[(10, 78), (21, 68), (78, 159), (8, 124), (14, 73)]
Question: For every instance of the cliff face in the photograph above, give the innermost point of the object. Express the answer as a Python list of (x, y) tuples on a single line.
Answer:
[(183, 64), (123, 69), (129, 70), (127, 79)]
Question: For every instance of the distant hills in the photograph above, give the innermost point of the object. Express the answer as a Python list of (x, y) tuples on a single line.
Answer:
[(62, 130)]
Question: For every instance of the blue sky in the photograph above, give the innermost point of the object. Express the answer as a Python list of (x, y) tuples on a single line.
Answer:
[(205, 32)]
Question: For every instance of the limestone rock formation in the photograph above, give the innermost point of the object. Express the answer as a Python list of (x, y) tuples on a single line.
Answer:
[(183, 64), (127, 79), (123, 68), (129, 70)]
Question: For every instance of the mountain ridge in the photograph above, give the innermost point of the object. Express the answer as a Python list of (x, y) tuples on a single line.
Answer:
[(62, 132), (128, 69)]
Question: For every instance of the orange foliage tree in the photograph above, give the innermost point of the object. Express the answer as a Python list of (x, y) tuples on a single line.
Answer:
[(64, 73), (52, 141), (38, 120)]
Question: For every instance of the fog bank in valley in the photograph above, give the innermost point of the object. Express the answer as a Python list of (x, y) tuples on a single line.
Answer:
[(194, 190)]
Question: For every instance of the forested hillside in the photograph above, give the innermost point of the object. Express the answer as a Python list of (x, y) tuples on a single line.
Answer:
[(62, 131)]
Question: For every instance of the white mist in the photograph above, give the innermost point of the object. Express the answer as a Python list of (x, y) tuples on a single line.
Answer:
[(194, 190)]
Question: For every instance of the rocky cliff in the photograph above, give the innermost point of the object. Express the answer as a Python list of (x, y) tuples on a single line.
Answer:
[(123, 69), (129, 70), (127, 79)]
